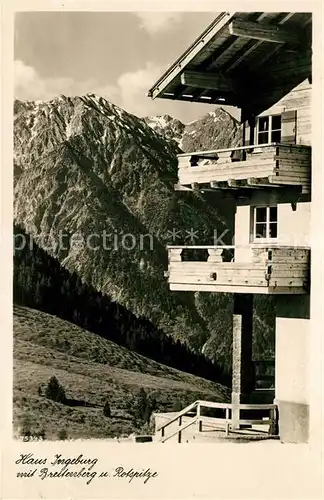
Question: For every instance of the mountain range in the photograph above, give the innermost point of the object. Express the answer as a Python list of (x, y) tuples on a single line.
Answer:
[(85, 169)]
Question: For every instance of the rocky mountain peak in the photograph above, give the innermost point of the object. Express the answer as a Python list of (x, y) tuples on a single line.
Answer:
[(216, 129)]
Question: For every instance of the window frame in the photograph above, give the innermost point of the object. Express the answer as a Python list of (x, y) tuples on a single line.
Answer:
[(267, 222), (270, 130)]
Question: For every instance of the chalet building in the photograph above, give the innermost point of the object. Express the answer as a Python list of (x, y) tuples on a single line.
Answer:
[(259, 62)]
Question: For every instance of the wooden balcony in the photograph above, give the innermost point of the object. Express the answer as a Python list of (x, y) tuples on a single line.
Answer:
[(267, 270), (252, 167)]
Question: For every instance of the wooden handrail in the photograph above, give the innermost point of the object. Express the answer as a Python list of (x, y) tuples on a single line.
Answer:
[(242, 148), (270, 246), (201, 247), (178, 415), (181, 428), (272, 420)]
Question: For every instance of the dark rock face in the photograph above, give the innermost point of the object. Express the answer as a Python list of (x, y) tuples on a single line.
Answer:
[(169, 128), (88, 171), (215, 130)]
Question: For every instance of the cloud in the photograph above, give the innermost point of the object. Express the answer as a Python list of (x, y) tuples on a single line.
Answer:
[(133, 87), (129, 92), (155, 22), (29, 85)]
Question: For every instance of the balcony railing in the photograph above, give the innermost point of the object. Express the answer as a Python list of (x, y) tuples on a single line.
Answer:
[(266, 269), (257, 166)]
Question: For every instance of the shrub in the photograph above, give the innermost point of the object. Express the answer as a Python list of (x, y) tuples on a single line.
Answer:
[(55, 391), (142, 406), (106, 410), (25, 430), (62, 435)]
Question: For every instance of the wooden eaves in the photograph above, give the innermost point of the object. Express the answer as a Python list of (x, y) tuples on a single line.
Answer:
[(248, 59)]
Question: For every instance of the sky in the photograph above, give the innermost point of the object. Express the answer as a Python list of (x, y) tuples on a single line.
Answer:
[(117, 55)]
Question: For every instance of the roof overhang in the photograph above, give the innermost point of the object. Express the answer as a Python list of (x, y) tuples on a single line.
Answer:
[(244, 59)]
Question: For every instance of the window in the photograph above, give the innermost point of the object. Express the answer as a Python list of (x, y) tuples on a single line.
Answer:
[(265, 223), (269, 129)]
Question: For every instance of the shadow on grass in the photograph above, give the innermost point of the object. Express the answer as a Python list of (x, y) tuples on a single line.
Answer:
[(79, 402)]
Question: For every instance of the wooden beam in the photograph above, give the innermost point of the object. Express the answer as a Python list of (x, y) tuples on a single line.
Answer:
[(180, 187), (242, 54), (161, 85), (260, 182), (221, 185), (263, 32), (273, 50), (211, 81)]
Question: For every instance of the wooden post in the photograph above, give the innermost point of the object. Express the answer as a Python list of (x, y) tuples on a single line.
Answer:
[(175, 254), (242, 369), (272, 419), (179, 434), (273, 428), (215, 255), (227, 421), (198, 418)]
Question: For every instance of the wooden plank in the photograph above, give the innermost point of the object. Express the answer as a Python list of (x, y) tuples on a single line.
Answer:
[(302, 273), (226, 266), (244, 406), (263, 32), (204, 177), (287, 181), (298, 157), (218, 175), (293, 266), (266, 421), (214, 404), (284, 174), (199, 247), (287, 282), (241, 280), (301, 169), (210, 81), (282, 250), (235, 281), (270, 145), (230, 288), (230, 166), (226, 274), (294, 148), (294, 162)]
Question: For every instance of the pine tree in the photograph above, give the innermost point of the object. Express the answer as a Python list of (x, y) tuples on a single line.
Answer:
[(55, 390), (141, 406)]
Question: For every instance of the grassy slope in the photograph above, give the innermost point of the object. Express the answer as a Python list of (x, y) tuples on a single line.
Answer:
[(91, 369)]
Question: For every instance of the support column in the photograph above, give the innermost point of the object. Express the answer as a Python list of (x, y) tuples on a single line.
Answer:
[(242, 369)]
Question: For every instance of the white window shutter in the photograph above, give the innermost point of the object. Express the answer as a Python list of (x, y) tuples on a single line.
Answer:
[(289, 127), (247, 132)]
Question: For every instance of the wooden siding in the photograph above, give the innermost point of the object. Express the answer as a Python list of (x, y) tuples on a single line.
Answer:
[(270, 270), (299, 100)]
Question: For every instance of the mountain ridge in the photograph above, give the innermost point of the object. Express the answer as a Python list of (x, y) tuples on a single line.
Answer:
[(84, 166)]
